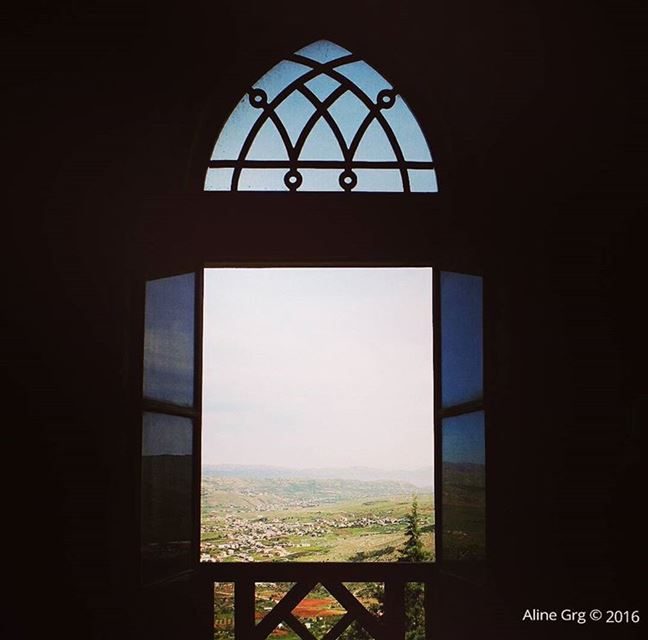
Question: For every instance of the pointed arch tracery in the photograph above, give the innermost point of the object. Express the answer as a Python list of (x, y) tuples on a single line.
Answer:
[(357, 133)]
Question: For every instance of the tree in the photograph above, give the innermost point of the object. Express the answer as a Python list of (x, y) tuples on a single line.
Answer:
[(413, 551)]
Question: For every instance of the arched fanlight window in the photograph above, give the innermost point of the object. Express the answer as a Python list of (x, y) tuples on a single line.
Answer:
[(321, 120)]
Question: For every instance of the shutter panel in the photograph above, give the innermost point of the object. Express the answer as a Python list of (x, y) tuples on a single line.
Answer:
[(460, 439), (170, 425)]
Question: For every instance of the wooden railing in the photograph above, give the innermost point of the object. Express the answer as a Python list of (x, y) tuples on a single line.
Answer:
[(332, 576)]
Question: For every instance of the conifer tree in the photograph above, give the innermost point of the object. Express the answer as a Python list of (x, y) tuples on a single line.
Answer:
[(413, 551)]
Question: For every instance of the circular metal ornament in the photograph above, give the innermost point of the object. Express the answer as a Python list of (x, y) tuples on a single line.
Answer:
[(386, 99), (293, 179), (258, 98), (348, 180)]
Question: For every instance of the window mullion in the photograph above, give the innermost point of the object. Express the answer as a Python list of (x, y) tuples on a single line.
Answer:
[(464, 407), (171, 409)]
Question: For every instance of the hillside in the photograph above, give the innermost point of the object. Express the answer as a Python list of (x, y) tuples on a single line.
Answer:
[(421, 477), (283, 519)]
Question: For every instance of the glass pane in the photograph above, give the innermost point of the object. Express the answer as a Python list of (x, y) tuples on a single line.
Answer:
[(295, 112), (423, 181), (268, 144), (279, 77), (219, 179), (349, 112), (322, 86), (231, 138), (262, 180), (408, 131), (320, 180), (375, 145), (365, 77), (167, 512), (464, 487), (384, 180), (462, 378), (169, 340), (323, 51), (321, 144)]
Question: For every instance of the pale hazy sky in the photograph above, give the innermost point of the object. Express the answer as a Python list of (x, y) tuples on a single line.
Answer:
[(318, 367)]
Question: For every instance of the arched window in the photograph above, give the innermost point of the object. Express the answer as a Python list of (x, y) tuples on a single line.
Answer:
[(321, 120)]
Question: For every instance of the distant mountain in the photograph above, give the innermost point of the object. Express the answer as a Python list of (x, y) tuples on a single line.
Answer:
[(422, 477)]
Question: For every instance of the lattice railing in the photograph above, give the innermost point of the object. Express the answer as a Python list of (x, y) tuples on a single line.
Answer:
[(389, 625)]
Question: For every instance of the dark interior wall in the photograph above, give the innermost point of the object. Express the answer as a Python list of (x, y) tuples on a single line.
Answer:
[(533, 113)]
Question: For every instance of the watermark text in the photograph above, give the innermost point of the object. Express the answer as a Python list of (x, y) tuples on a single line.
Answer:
[(608, 616)]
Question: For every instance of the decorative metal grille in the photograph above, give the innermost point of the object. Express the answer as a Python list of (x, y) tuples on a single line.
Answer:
[(321, 120)]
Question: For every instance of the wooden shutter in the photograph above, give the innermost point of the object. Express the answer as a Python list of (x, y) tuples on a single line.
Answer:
[(460, 433), (171, 402)]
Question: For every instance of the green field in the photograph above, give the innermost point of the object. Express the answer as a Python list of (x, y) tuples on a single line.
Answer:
[(254, 520)]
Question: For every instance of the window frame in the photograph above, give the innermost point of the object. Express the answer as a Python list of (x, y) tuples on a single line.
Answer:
[(225, 569), (311, 229)]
